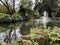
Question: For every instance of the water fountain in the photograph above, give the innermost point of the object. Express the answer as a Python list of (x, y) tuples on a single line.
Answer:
[(44, 19)]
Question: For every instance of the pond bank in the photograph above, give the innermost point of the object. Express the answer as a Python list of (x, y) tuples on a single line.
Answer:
[(7, 18)]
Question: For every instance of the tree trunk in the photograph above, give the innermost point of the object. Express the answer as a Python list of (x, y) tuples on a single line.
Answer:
[(13, 6), (6, 5)]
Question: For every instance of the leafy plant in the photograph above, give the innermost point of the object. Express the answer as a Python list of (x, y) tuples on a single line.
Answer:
[(54, 34), (34, 42)]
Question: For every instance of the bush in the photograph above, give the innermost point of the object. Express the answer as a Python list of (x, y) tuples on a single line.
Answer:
[(10, 18), (54, 34), (4, 17), (17, 16), (7, 18)]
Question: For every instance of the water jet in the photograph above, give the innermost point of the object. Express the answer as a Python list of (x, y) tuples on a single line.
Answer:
[(44, 19)]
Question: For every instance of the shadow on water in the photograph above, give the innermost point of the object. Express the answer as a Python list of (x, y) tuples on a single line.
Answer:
[(9, 32)]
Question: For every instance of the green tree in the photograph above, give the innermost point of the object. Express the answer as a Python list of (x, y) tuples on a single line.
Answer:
[(9, 6), (47, 5), (3, 9), (25, 8)]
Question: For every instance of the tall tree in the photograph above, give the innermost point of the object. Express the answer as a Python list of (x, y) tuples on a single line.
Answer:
[(13, 6), (47, 5), (26, 8), (3, 9), (10, 6)]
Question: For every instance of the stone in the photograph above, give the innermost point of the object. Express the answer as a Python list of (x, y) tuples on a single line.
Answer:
[(27, 42), (3, 43), (27, 37), (41, 38)]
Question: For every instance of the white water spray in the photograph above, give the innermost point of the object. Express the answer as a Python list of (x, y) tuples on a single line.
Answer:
[(44, 20)]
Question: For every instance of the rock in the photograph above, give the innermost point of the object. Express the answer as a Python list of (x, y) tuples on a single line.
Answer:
[(41, 38), (27, 37), (27, 42), (3, 43)]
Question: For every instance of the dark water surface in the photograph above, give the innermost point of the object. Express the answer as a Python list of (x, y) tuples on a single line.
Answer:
[(10, 31)]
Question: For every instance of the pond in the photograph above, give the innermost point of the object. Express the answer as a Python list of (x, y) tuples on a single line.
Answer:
[(10, 31)]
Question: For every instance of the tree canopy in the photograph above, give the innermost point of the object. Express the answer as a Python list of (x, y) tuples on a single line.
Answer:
[(38, 5), (3, 9)]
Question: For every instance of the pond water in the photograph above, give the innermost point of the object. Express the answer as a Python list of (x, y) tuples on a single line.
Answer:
[(10, 31)]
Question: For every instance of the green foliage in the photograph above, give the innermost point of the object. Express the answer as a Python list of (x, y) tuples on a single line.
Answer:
[(24, 2), (47, 5), (2, 29), (17, 16), (3, 9), (16, 42), (54, 34), (7, 18), (34, 42), (4, 17)]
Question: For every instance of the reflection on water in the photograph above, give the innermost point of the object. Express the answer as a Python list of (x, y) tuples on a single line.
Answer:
[(53, 22), (9, 32)]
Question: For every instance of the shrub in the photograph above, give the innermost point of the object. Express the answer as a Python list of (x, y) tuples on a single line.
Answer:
[(17, 16), (8, 18), (54, 34)]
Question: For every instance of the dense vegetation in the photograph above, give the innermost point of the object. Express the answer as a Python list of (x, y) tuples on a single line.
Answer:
[(52, 34), (25, 7)]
